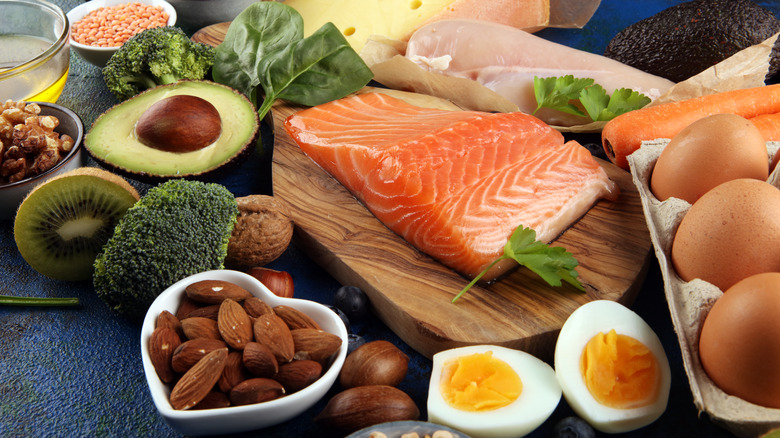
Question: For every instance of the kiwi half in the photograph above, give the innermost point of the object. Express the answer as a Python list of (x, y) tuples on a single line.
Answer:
[(62, 224)]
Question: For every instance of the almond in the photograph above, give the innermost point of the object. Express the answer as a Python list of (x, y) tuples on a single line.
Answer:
[(186, 307), (234, 372), (259, 360), (210, 312), (196, 383), (255, 307), (295, 319), (298, 374), (215, 291), (256, 390), (234, 324), (313, 344), (168, 319), (190, 352), (271, 331), (213, 400), (200, 327), (162, 344)]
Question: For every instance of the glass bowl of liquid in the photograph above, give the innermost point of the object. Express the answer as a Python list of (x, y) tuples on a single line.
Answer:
[(35, 54)]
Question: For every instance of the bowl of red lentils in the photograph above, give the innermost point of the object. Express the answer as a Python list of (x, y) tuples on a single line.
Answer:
[(99, 27)]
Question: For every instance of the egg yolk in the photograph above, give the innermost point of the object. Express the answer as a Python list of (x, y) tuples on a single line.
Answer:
[(479, 382), (619, 371)]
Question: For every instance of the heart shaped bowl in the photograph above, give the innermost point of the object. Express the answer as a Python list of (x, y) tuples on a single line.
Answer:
[(235, 419)]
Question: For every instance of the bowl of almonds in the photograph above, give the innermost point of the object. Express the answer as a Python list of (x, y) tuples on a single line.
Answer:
[(223, 354)]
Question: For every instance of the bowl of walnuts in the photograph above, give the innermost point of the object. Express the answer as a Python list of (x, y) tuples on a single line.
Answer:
[(38, 141)]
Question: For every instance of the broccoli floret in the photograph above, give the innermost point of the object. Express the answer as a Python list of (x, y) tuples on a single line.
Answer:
[(177, 229), (156, 56)]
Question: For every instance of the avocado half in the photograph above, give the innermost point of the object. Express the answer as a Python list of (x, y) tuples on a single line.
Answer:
[(188, 129)]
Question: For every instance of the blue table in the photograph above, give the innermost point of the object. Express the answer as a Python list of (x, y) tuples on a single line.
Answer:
[(77, 372)]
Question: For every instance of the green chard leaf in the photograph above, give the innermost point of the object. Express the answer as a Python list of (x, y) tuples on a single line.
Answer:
[(558, 93), (553, 264)]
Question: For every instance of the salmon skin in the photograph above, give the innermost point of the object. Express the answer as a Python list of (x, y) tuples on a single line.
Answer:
[(454, 184)]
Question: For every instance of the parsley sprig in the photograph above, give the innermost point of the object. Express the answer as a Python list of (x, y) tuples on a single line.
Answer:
[(559, 92), (552, 263)]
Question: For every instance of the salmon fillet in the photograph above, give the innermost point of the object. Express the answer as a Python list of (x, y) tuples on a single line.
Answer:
[(454, 184)]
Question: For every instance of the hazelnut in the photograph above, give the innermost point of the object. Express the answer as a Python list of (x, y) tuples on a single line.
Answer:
[(374, 363)]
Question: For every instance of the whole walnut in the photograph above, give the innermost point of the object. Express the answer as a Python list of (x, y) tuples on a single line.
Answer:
[(263, 232)]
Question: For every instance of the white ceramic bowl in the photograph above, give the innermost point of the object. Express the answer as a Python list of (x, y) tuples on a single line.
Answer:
[(99, 55), (11, 195), (236, 419)]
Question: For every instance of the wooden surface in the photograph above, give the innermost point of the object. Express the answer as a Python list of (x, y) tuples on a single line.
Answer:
[(411, 292)]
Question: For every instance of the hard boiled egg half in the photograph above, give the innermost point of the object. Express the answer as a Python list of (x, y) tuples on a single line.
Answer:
[(491, 391), (612, 368)]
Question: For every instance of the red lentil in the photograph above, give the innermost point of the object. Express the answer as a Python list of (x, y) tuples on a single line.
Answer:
[(111, 26)]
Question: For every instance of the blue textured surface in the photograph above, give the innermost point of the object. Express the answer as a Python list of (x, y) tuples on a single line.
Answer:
[(77, 372)]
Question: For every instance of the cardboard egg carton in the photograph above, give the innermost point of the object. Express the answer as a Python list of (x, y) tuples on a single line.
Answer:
[(689, 302)]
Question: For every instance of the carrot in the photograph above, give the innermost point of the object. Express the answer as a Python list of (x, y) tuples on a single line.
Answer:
[(624, 134), (769, 125)]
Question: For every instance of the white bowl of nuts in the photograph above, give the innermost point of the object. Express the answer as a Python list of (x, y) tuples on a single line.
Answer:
[(38, 141), (222, 354)]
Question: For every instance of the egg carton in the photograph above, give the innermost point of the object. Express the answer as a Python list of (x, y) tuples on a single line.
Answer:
[(689, 302)]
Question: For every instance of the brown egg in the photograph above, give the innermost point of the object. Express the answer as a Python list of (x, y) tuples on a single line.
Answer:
[(708, 152), (730, 233), (738, 344)]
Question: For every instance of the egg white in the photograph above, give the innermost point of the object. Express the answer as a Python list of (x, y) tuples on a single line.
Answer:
[(539, 398), (584, 323)]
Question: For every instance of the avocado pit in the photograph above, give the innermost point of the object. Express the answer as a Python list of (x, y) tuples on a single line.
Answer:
[(179, 123)]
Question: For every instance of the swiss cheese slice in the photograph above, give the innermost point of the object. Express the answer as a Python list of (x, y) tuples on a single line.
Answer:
[(398, 19)]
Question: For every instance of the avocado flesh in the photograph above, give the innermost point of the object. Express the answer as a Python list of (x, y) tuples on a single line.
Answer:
[(112, 140), (686, 39)]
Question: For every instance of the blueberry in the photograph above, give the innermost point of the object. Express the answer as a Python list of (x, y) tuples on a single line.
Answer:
[(341, 315), (352, 301), (573, 427), (355, 341)]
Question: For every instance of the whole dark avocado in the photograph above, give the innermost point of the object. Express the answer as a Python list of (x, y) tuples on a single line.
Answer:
[(685, 39), (187, 129)]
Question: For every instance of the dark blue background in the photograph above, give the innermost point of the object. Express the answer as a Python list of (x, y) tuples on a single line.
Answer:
[(77, 372)]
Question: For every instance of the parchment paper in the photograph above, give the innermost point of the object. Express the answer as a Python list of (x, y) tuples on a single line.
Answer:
[(745, 69)]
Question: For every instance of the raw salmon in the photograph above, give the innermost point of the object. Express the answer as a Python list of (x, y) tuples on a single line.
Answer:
[(454, 184)]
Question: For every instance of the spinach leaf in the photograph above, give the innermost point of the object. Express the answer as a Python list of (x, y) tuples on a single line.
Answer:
[(264, 51), (315, 70)]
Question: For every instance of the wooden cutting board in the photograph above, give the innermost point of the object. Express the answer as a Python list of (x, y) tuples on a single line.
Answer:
[(411, 292)]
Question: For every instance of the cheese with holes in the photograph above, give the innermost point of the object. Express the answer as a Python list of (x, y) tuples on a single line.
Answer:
[(398, 19)]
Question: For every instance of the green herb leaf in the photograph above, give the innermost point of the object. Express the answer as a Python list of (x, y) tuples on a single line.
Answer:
[(559, 93), (553, 264), (264, 52)]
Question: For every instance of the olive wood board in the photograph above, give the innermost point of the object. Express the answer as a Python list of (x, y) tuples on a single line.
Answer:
[(411, 292)]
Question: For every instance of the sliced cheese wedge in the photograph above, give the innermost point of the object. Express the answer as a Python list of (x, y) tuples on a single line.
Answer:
[(398, 19)]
